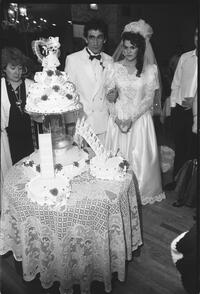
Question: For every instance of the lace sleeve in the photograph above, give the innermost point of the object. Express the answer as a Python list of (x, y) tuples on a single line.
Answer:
[(112, 110), (150, 85), (109, 85)]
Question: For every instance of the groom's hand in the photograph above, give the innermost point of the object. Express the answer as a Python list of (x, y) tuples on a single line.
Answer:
[(112, 95), (119, 123)]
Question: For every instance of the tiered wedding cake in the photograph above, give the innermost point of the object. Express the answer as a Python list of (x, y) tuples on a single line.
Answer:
[(53, 94)]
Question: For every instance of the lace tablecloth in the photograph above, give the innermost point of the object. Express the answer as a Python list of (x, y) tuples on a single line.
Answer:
[(89, 240)]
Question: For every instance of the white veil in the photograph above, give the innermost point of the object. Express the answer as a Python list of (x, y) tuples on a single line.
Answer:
[(146, 31)]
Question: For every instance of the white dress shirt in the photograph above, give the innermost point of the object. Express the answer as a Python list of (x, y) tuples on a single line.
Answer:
[(194, 111), (96, 65), (184, 83), (176, 255)]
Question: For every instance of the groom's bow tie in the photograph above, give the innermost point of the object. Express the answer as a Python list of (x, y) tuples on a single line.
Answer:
[(91, 57)]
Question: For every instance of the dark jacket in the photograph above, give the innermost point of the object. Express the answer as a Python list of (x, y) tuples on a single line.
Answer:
[(189, 265)]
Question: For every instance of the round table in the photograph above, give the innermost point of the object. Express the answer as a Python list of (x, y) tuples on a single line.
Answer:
[(88, 239)]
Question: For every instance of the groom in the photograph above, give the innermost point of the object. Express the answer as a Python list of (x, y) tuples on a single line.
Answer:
[(86, 69)]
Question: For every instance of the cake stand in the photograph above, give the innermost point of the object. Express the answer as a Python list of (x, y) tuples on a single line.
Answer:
[(56, 124)]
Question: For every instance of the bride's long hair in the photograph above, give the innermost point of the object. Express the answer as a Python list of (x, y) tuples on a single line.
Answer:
[(138, 41), (145, 30)]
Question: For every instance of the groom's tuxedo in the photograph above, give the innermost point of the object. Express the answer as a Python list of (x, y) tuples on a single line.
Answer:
[(89, 79)]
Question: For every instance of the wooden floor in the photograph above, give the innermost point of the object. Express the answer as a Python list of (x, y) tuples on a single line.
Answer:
[(152, 272)]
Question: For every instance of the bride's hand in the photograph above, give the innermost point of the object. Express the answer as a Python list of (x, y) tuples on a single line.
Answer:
[(126, 125)]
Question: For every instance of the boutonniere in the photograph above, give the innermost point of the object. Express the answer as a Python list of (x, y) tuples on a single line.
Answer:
[(104, 63)]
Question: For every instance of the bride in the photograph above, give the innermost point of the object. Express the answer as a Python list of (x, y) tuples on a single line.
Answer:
[(134, 80)]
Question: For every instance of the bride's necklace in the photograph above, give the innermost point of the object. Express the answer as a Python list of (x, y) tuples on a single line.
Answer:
[(17, 94)]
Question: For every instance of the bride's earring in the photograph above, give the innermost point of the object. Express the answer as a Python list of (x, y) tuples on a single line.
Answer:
[(123, 54), (25, 70), (86, 41)]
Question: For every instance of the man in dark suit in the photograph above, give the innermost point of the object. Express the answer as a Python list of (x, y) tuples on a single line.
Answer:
[(187, 260)]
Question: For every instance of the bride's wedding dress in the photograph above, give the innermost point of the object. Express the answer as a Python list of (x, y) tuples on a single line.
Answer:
[(139, 145)]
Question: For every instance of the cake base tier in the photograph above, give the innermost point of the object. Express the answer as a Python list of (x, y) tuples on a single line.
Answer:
[(32, 113), (48, 190)]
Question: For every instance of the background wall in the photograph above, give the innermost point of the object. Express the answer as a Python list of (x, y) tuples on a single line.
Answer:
[(59, 14), (173, 23), (108, 12)]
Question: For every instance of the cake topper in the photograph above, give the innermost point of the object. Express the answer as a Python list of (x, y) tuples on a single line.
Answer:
[(47, 52)]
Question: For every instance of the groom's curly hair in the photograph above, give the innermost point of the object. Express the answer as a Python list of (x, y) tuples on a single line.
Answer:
[(139, 41), (96, 24)]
